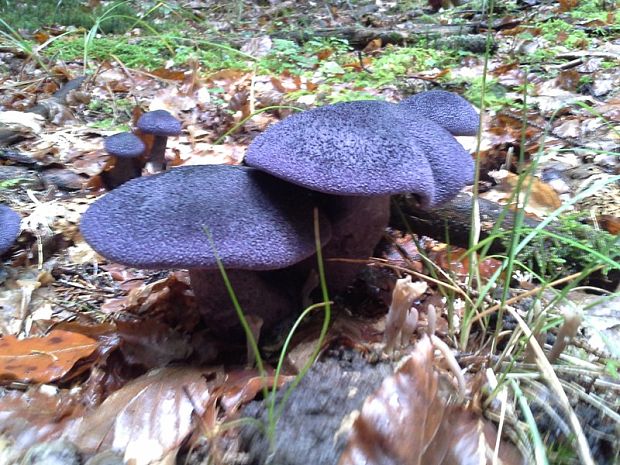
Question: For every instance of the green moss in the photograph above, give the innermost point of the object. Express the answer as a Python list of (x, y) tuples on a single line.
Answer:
[(109, 124), (392, 64), (556, 257), (44, 13), (149, 52), (592, 10), (571, 37), (9, 183), (494, 93), (395, 63), (289, 56)]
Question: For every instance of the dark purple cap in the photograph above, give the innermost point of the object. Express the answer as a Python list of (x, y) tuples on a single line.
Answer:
[(364, 148), (9, 227), (449, 110), (257, 222), (159, 123), (124, 144)]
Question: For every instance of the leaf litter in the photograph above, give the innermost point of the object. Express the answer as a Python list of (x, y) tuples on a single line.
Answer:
[(410, 420), (141, 322)]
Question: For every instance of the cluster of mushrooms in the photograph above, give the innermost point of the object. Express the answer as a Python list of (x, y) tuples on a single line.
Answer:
[(128, 152), (345, 160)]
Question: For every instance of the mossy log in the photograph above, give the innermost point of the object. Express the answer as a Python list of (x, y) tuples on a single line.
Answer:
[(451, 223), (359, 37)]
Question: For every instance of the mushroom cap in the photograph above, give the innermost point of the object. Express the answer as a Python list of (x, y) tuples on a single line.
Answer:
[(364, 148), (124, 144), (449, 110), (159, 123), (9, 227), (257, 222)]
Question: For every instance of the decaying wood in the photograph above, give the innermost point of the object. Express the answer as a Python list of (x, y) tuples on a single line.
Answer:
[(451, 222), (359, 37), (58, 98)]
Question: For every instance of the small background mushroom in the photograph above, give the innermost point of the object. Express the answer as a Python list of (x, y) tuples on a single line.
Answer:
[(125, 148), (161, 125)]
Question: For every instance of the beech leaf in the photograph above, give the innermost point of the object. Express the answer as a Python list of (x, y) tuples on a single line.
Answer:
[(42, 359), (148, 418), (408, 422)]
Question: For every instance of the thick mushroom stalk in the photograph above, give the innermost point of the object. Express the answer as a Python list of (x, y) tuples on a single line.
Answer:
[(257, 293), (9, 227), (191, 217), (161, 125), (358, 224)]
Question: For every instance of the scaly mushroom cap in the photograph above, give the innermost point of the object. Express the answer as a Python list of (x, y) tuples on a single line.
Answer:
[(124, 144), (257, 222), (9, 227), (451, 111), (159, 123), (364, 148)]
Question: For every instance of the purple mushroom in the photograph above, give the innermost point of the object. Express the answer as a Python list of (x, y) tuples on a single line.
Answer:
[(451, 111), (126, 149), (9, 227), (258, 223), (361, 153), (162, 125)]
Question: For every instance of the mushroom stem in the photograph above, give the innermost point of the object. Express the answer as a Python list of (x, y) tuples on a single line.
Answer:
[(358, 224), (123, 170), (568, 330), (257, 292), (157, 159)]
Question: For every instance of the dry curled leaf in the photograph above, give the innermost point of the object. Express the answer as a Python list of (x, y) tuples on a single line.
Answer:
[(407, 422), (151, 343), (147, 418), (42, 359), (541, 200)]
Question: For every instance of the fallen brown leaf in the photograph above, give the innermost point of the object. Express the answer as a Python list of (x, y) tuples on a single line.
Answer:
[(36, 415), (147, 418), (542, 198), (151, 343), (242, 386), (408, 422), (455, 260), (42, 359)]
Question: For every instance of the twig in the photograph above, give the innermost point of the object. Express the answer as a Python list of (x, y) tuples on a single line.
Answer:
[(529, 293)]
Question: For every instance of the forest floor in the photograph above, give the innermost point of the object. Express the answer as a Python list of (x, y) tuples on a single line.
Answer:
[(112, 364)]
